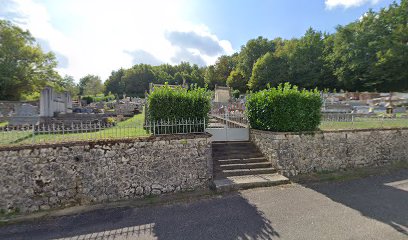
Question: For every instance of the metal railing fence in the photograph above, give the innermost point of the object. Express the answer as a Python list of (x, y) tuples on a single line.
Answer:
[(334, 121), (42, 134)]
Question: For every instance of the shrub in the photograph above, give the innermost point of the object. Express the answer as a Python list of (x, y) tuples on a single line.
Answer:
[(236, 93), (166, 103), (88, 99), (98, 98), (110, 120), (284, 109)]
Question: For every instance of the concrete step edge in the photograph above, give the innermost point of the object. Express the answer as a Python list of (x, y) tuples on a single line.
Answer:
[(241, 172), (252, 165), (242, 160), (235, 156), (231, 143), (261, 180)]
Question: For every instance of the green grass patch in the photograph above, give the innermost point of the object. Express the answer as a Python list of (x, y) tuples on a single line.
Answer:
[(13, 137), (132, 127), (365, 123), (3, 124)]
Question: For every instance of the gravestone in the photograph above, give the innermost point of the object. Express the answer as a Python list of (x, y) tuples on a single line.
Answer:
[(400, 110), (52, 102), (222, 94), (25, 114), (100, 105), (337, 108), (126, 109)]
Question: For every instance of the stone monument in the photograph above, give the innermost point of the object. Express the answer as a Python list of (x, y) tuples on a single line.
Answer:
[(222, 94), (52, 102), (25, 114)]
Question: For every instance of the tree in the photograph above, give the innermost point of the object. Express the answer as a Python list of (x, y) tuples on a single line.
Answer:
[(392, 54), (90, 85), (210, 78), (351, 50), (237, 81), (306, 61), (197, 76), (24, 67), (115, 83), (67, 83), (137, 79), (372, 52), (251, 52), (267, 70), (329, 80), (368, 54), (164, 73), (223, 67)]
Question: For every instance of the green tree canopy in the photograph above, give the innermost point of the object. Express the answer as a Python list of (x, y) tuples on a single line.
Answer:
[(210, 78), (372, 53), (251, 52), (237, 81), (269, 69), (24, 67), (115, 82), (137, 79), (90, 85), (67, 83)]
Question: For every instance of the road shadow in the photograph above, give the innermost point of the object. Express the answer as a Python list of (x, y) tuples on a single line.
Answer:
[(226, 217), (383, 198)]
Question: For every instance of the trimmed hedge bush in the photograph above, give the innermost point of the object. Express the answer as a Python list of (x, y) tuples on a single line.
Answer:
[(284, 109), (166, 103)]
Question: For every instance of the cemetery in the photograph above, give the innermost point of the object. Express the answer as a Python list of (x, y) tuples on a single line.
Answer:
[(55, 118), (194, 135), (183, 127)]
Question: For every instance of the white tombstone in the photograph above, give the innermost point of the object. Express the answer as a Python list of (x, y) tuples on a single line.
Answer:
[(222, 94), (52, 102)]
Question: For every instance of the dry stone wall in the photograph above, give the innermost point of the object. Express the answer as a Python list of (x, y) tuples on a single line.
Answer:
[(294, 154), (43, 177)]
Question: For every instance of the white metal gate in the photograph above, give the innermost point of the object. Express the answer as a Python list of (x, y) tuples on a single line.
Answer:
[(228, 127)]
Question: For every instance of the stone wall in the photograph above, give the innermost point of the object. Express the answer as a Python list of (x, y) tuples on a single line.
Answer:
[(43, 177), (294, 154)]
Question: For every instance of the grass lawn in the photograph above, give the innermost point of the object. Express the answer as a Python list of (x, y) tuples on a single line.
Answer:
[(3, 124), (365, 123), (132, 127)]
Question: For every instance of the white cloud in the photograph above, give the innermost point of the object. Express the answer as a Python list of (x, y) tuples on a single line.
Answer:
[(330, 4), (99, 36)]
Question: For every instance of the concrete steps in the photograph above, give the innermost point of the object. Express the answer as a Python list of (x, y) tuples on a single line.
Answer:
[(239, 165), (249, 181), (242, 172), (242, 160)]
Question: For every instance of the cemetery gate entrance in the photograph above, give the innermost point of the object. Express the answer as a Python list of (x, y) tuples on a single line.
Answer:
[(228, 127)]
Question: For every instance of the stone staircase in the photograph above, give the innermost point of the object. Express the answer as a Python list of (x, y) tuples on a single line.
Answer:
[(240, 165)]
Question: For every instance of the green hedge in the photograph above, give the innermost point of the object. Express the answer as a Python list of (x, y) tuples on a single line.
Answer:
[(98, 98), (166, 103), (284, 109)]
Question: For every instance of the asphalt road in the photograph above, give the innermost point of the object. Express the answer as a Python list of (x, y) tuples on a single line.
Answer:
[(370, 208)]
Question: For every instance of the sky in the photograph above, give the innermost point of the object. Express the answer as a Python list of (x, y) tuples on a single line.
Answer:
[(100, 36)]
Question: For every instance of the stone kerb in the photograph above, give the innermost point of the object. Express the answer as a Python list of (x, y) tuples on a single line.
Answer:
[(297, 153), (51, 176)]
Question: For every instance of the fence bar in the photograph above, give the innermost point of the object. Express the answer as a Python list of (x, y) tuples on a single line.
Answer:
[(83, 131)]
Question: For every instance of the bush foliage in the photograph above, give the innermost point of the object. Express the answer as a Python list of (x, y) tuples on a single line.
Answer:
[(167, 103), (284, 109), (98, 98)]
